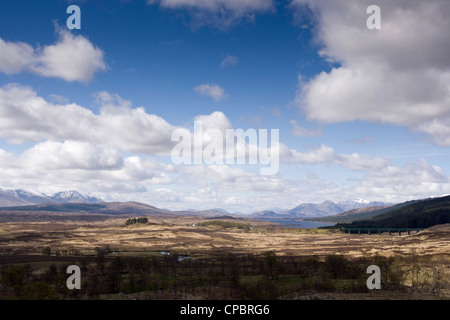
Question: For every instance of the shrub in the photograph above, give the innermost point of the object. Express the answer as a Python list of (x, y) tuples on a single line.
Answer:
[(336, 265), (225, 224), (136, 220)]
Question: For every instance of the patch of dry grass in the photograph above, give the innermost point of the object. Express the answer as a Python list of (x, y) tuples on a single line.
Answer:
[(184, 233)]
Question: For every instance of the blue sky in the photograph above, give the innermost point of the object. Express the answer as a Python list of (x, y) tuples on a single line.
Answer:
[(361, 113)]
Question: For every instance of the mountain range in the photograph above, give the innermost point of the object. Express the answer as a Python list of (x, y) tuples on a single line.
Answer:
[(21, 197), (323, 209), (357, 213)]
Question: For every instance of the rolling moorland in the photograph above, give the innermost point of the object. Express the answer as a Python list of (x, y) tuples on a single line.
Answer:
[(136, 251)]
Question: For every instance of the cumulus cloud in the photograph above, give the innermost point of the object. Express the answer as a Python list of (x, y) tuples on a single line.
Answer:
[(211, 90), (323, 154), (71, 58), (221, 14), (216, 172), (52, 166), (15, 57), (412, 181), (233, 187), (228, 178), (72, 155), (241, 190), (379, 178), (110, 152), (216, 120), (317, 154), (357, 162), (398, 75), (27, 117)]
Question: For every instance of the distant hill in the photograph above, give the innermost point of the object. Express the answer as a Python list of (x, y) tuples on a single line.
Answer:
[(224, 217), (114, 208), (357, 213), (323, 209), (73, 197), (412, 214), (131, 207), (353, 215), (265, 214), (21, 197)]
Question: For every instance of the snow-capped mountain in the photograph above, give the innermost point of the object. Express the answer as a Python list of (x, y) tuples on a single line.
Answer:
[(323, 209), (361, 201), (358, 204), (73, 197), (21, 197)]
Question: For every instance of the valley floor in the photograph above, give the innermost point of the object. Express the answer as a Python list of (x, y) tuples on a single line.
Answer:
[(224, 259)]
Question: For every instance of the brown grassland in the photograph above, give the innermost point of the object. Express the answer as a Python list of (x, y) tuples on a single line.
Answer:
[(235, 259)]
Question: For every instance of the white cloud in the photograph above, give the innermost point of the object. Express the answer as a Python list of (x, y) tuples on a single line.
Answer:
[(216, 120), (212, 90), (49, 167), (318, 154), (78, 149), (71, 58), (239, 190), (111, 102), (357, 162), (327, 155), (438, 130), (229, 61), (221, 14), (72, 155), (226, 183), (54, 166), (412, 181), (216, 172), (27, 117), (397, 75), (15, 57)]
